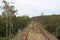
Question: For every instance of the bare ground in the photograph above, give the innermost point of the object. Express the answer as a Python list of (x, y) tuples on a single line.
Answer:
[(34, 33)]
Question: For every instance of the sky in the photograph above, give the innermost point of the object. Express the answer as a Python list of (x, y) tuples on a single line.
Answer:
[(35, 7)]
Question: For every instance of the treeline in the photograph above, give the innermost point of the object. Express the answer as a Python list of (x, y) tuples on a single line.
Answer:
[(19, 23), (51, 23)]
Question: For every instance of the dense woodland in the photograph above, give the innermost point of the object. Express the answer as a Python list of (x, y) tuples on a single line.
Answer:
[(51, 23)]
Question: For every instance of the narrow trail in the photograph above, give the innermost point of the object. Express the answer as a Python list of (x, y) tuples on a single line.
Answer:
[(35, 31), (39, 31)]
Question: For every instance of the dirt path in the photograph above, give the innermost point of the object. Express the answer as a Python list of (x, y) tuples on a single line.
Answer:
[(38, 33), (34, 33)]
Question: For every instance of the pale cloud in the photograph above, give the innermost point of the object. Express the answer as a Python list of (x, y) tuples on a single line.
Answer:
[(34, 7)]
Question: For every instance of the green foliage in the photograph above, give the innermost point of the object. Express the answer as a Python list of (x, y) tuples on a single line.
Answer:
[(22, 22), (18, 23), (2, 38), (2, 27), (53, 25)]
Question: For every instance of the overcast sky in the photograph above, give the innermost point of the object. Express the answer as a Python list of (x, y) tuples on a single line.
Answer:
[(35, 7)]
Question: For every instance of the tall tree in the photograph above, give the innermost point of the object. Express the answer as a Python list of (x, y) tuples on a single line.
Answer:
[(10, 12)]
